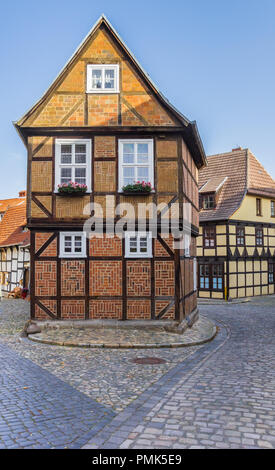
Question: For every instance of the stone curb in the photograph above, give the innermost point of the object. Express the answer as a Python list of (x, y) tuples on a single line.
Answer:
[(213, 333)]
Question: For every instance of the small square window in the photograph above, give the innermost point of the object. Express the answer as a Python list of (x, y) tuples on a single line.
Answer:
[(72, 245), (102, 78), (138, 245)]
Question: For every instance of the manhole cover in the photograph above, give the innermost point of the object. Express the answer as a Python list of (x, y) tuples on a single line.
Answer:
[(148, 360)]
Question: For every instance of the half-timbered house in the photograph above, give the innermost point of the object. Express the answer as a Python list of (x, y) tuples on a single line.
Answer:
[(104, 123), (14, 245), (236, 246)]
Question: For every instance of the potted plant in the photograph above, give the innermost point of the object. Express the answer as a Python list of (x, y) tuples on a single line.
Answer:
[(72, 189), (139, 187)]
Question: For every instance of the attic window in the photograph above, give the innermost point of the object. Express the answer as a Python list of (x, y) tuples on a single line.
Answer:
[(208, 201), (102, 78)]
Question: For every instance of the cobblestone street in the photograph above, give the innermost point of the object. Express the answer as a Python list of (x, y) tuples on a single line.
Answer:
[(218, 395)]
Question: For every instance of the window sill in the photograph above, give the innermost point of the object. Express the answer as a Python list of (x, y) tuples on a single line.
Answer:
[(102, 92), (136, 193), (72, 194)]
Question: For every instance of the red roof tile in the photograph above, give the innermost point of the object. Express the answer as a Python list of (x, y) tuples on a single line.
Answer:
[(11, 227)]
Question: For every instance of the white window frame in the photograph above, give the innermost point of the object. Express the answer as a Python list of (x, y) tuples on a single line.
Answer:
[(59, 165), (102, 67), (150, 164), (63, 254), (138, 254)]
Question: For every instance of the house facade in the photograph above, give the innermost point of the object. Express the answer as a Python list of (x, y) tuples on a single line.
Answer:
[(236, 245), (104, 123), (14, 245)]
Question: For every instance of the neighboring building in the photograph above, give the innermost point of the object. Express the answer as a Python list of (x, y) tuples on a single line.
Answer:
[(14, 245), (236, 246), (104, 123)]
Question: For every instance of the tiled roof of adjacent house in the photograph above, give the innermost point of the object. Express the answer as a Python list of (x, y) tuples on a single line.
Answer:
[(11, 227), (5, 203), (244, 175)]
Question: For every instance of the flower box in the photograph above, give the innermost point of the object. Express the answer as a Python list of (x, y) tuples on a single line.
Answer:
[(140, 188), (72, 189)]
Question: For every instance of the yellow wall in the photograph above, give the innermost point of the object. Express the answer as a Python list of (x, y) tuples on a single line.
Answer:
[(247, 210)]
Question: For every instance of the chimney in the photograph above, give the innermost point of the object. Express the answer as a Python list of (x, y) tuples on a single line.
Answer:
[(22, 193), (237, 149)]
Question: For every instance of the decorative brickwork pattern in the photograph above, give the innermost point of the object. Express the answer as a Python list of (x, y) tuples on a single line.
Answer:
[(105, 246), (45, 278), (41, 314), (138, 309), (72, 277), (164, 278), (106, 309), (105, 278), (73, 309), (105, 146), (138, 278), (105, 176)]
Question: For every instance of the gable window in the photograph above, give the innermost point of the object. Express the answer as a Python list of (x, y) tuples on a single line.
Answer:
[(73, 162), (240, 236), (272, 208), (208, 201), (258, 206), (102, 78), (72, 245), (271, 272), (138, 245), (259, 237), (209, 237), (136, 162)]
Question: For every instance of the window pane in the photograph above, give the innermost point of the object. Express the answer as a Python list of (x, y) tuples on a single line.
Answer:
[(66, 153), (80, 175), (128, 175), (143, 244), (133, 244), (77, 244), (66, 175), (110, 79), (202, 283), (214, 283), (128, 153), (80, 153), (67, 244), (97, 78), (142, 153), (143, 173), (206, 283)]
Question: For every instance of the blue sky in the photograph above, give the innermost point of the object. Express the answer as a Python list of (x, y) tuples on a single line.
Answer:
[(213, 59)]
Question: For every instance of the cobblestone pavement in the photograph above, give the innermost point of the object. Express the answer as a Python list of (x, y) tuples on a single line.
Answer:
[(107, 376), (221, 397)]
